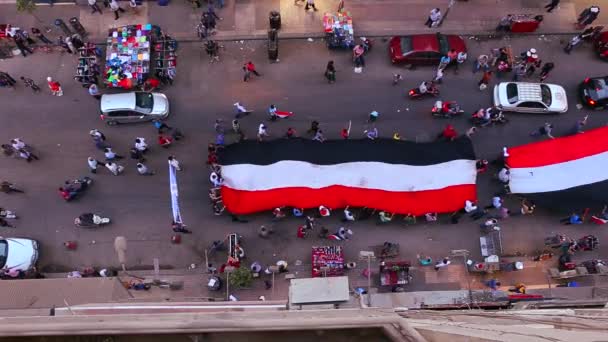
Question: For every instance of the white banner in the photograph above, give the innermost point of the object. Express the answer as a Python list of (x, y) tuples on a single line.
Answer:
[(177, 217)]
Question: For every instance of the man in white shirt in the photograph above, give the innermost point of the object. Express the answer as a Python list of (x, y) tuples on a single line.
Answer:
[(504, 175), (140, 145), (433, 18), (94, 7), (174, 162), (262, 132)]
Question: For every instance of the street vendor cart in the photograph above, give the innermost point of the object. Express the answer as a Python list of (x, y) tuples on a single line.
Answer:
[(339, 30), (137, 52), (525, 22), (327, 261), (395, 274)]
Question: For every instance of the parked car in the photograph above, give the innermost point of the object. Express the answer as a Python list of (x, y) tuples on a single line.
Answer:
[(423, 49), (136, 106), (527, 97), (594, 92), (601, 46), (18, 253)]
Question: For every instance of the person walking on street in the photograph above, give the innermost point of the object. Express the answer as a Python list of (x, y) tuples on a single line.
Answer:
[(94, 6), (8, 79), (262, 132), (551, 6), (373, 116), (319, 136), (434, 18), (160, 126), (94, 164), (543, 130), (174, 162), (54, 86), (309, 4), (115, 168), (443, 263), (330, 72), (20, 42), (249, 69), (133, 7), (30, 84), (314, 127), (38, 34), (546, 69), (116, 8), (94, 91), (7, 188), (143, 170), (61, 42), (485, 79), (580, 124), (460, 59), (588, 16), (111, 155)]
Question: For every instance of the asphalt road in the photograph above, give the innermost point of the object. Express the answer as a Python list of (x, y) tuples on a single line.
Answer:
[(140, 206)]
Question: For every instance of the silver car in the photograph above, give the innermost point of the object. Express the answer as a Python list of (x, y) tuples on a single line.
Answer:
[(136, 106), (18, 253)]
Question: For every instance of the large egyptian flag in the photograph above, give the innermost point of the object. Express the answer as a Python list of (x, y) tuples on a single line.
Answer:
[(569, 167), (396, 176)]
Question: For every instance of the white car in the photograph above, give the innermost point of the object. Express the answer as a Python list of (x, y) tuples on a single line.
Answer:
[(527, 97), (18, 253), (135, 106)]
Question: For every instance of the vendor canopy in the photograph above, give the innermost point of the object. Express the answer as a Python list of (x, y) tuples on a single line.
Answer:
[(396, 176), (561, 164)]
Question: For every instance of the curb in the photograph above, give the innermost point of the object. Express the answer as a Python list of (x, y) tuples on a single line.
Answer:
[(233, 36)]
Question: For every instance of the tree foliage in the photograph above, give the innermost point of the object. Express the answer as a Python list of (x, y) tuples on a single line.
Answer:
[(240, 278), (26, 6)]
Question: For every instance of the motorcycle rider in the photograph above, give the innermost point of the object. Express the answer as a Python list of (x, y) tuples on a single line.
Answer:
[(423, 88)]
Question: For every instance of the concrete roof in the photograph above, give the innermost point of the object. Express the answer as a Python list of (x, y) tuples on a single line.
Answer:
[(46, 293)]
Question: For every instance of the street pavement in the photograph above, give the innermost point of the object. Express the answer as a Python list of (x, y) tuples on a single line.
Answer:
[(140, 206)]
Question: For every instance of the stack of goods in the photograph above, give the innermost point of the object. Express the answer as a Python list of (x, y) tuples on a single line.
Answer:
[(339, 30), (128, 56), (88, 70), (165, 56), (327, 261)]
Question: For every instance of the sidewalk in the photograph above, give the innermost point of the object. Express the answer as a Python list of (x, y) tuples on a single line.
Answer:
[(248, 19)]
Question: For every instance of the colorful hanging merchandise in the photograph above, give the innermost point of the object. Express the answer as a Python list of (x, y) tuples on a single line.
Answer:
[(339, 30), (128, 56), (165, 56)]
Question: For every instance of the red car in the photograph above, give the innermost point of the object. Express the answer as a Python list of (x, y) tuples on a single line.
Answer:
[(423, 49), (601, 46)]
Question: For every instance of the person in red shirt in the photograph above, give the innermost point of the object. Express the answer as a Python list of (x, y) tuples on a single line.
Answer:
[(251, 68), (301, 232), (164, 141), (55, 87), (344, 133), (290, 133), (449, 133)]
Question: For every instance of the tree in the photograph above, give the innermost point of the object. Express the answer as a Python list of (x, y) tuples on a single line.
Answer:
[(240, 278), (26, 6)]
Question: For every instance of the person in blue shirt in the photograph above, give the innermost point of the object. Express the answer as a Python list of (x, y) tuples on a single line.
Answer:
[(572, 219)]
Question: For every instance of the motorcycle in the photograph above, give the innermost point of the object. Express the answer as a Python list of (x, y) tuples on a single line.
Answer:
[(415, 93), (481, 118), (73, 188), (446, 109), (89, 220)]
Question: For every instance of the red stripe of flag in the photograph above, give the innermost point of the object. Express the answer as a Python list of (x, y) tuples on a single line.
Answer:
[(559, 150), (418, 203)]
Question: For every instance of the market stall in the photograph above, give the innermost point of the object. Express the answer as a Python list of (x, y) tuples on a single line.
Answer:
[(136, 52), (339, 30), (88, 68), (395, 273), (327, 261)]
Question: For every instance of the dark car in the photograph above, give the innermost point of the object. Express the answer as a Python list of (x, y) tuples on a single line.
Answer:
[(423, 49), (594, 92), (601, 46)]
